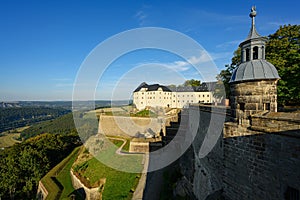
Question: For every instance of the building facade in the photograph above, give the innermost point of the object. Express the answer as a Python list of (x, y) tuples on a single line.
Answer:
[(156, 95)]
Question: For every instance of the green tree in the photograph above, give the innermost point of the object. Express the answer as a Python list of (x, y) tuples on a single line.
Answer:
[(283, 51), (192, 82)]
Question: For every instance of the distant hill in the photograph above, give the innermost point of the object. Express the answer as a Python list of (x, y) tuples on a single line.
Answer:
[(15, 117), (61, 125)]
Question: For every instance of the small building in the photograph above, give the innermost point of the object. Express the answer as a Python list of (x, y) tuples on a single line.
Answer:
[(157, 95)]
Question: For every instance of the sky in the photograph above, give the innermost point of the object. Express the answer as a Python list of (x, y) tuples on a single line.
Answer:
[(44, 45)]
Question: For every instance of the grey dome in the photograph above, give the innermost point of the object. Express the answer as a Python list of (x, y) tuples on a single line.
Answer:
[(254, 70)]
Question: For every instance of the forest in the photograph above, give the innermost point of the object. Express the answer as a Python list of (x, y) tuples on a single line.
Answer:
[(15, 117)]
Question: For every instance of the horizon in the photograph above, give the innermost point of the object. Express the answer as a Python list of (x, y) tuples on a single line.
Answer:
[(44, 44)]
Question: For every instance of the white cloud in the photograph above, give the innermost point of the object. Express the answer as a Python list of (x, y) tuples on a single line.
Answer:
[(181, 66), (141, 17)]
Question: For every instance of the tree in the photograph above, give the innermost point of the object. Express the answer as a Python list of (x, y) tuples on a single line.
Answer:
[(283, 51), (192, 82)]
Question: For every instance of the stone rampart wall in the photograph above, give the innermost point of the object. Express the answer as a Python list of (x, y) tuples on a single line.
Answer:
[(130, 126), (90, 193), (244, 163), (260, 165)]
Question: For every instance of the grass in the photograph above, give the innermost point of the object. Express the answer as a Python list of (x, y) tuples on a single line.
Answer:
[(58, 181), (119, 143), (65, 179), (119, 185), (8, 139)]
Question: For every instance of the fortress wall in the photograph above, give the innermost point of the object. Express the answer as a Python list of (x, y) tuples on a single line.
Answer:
[(259, 165), (204, 174), (244, 163), (130, 126), (90, 193)]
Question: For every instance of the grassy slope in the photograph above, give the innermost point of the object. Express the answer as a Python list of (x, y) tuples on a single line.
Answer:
[(65, 179), (61, 173), (118, 184)]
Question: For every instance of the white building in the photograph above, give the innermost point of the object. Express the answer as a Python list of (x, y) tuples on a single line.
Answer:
[(178, 97)]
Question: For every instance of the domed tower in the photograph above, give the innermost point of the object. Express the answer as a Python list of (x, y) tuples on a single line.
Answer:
[(253, 84)]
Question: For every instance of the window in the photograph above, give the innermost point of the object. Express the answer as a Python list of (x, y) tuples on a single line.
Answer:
[(247, 54), (203, 95), (242, 106), (208, 95), (267, 106), (255, 52)]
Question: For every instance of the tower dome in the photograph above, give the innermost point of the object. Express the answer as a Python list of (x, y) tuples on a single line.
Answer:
[(253, 64)]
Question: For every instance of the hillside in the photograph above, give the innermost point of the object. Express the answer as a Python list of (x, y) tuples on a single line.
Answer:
[(15, 117)]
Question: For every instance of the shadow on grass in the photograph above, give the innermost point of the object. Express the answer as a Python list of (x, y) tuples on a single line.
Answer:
[(78, 194)]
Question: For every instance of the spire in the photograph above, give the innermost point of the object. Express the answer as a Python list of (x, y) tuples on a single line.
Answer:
[(253, 33)]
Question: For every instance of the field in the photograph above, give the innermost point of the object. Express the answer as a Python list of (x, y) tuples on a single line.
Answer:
[(8, 138)]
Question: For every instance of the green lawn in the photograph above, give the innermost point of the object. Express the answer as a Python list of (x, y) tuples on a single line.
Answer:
[(119, 185), (65, 179), (58, 181)]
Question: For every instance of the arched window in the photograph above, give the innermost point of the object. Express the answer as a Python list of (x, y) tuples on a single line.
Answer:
[(255, 52), (247, 54)]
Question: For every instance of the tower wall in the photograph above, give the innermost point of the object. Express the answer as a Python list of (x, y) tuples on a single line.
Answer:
[(252, 97)]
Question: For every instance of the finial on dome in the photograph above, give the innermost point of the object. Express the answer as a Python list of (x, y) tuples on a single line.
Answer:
[(253, 12)]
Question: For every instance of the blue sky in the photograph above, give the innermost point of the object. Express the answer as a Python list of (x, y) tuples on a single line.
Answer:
[(44, 43)]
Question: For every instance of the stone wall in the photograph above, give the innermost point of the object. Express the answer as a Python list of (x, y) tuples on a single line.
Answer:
[(259, 165), (42, 192), (130, 126), (245, 163), (90, 193), (255, 95)]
